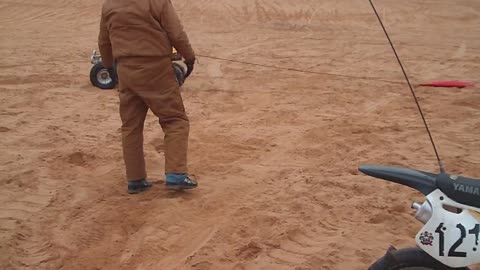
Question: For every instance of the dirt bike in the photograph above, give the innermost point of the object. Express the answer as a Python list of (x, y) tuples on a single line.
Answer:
[(103, 79), (451, 214)]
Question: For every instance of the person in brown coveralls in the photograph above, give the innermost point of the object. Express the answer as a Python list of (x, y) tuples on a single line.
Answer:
[(139, 35)]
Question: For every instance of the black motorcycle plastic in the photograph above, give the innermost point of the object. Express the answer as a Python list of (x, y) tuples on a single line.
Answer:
[(460, 189), (422, 181), (409, 258)]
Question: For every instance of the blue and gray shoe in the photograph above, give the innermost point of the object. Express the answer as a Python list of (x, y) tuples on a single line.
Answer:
[(135, 187), (180, 181)]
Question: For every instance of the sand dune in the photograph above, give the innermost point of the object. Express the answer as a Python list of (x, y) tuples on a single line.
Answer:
[(275, 151)]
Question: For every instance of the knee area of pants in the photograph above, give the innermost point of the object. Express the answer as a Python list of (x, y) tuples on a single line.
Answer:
[(175, 123), (127, 131)]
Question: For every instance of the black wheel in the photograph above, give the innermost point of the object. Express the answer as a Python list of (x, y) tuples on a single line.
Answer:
[(179, 73), (409, 259), (101, 78)]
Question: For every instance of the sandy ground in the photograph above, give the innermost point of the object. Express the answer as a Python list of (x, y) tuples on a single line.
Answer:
[(275, 151)]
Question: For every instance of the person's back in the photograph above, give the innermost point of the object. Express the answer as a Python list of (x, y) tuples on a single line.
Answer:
[(139, 35), (144, 28)]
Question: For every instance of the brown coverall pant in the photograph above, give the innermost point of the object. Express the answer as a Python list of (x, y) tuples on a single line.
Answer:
[(146, 82), (140, 34)]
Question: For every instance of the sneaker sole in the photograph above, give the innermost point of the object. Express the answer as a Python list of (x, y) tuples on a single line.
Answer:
[(179, 187), (138, 190)]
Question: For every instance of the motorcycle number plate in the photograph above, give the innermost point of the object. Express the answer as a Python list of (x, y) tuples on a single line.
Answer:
[(450, 237)]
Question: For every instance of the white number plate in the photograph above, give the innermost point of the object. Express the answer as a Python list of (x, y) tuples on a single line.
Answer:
[(451, 238)]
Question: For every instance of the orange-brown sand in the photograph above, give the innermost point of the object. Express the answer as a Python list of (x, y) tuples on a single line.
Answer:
[(275, 151)]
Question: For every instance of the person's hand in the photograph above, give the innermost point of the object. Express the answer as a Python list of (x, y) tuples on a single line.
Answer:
[(189, 63)]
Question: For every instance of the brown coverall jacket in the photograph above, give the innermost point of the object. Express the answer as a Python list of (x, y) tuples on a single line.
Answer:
[(141, 28), (139, 35)]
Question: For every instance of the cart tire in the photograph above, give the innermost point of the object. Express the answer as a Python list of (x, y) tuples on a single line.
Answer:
[(101, 77)]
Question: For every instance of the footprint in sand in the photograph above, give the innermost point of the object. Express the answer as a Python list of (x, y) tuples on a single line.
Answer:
[(80, 158)]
